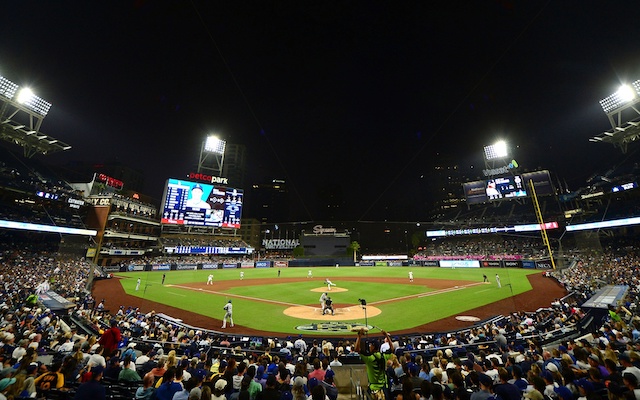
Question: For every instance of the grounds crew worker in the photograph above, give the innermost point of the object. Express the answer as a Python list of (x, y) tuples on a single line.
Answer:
[(376, 364)]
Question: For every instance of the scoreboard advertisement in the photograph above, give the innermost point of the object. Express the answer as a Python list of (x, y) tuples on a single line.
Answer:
[(200, 204)]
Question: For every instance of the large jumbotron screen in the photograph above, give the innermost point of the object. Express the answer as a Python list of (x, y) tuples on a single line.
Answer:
[(506, 187), (200, 204)]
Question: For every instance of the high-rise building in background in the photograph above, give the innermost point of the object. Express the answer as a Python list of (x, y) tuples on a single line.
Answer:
[(445, 187), (269, 201), (235, 165)]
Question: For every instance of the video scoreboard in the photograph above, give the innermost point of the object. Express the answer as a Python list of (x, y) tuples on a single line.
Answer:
[(507, 187), (201, 204)]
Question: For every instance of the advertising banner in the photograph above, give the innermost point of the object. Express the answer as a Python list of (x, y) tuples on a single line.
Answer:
[(459, 264), (161, 267), (263, 264), (528, 264), (430, 263), (281, 264), (209, 266), (380, 264), (544, 264), (492, 264), (512, 264), (182, 267), (135, 267), (366, 263), (246, 264), (229, 265)]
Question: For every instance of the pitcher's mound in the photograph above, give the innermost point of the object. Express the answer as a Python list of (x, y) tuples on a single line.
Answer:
[(334, 289), (340, 313)]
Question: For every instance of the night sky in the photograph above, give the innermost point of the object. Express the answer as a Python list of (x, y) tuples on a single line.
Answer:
[(339, 98)]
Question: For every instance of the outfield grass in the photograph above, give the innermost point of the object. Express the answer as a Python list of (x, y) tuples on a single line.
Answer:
[(400, 315)]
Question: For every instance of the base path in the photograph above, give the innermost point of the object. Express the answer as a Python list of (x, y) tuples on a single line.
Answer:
[(544, 291)]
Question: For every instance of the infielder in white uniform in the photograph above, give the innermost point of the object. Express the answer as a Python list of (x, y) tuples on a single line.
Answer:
[(228, 308), (241, 275), (210, 279), (410, 276), (309, 274), (498, 281), (138, 284)]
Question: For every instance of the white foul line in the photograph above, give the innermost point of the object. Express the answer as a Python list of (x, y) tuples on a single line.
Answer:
[(237, 296)]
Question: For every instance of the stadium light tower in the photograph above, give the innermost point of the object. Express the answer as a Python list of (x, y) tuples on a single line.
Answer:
[(624, 116), (496, 150), (496, 154), (21, 116), (212, 156)]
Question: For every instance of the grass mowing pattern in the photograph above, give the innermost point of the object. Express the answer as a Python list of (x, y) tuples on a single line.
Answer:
[(399, 315)]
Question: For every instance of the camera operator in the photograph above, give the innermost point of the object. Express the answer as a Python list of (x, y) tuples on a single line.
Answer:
[(376, 363)]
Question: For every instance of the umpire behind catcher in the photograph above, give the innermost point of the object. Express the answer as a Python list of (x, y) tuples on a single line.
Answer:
[(376, 363)]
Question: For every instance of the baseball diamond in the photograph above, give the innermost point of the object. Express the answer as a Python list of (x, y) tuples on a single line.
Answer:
[(268, 305)]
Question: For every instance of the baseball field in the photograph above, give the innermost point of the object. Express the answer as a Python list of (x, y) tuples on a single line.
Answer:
[(266, 302)]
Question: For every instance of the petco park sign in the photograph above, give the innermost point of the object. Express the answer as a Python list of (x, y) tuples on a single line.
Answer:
[(208, 178), (280, 244)]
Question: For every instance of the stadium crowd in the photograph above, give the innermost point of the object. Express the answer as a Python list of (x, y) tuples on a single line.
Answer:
[(128, 353), (483, 247)]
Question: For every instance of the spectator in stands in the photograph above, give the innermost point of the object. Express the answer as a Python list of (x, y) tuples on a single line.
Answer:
[(52, 379), (206, 393), (145, 392), (97, 358), (270, 392), (159, 370), (563, 393), (375, 363), (317, 372), (407, 392), (504, 389), (6, 384), (335, 359), (168, 387), (254, 387), (298, 388), (219, 390), (110, 338), (128, 373), (485, 383), (244, 388), (329, 386), (93, 389), (184, 393)]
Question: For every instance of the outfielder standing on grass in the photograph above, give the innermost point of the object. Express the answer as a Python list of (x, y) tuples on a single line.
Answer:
[(376, 363)]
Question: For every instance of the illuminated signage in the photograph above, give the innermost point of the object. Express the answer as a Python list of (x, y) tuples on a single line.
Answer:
[(622, 188), (109, 181), (488, 230), (501, 170), (208, 178), (280, 244), (320, 230), (604, 224)]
